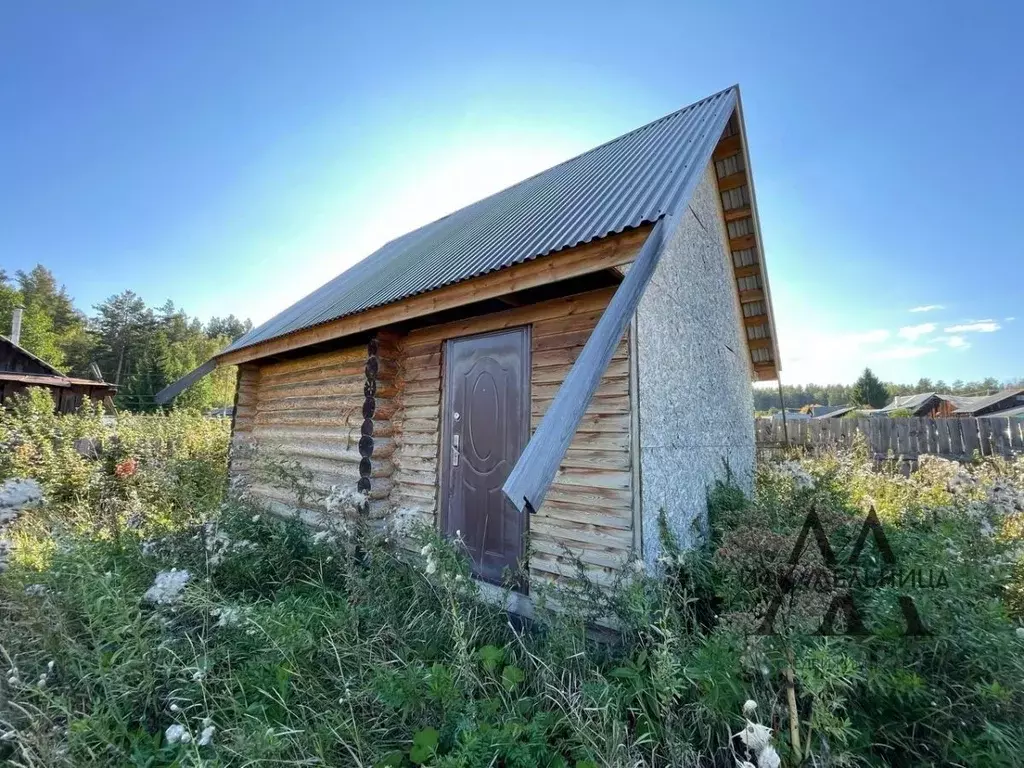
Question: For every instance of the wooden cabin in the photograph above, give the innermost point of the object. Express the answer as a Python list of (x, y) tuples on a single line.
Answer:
[(20, 369), (549, 367)]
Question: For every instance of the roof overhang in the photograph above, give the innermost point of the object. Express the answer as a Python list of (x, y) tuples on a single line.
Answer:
[(47, 380), (745, 219)]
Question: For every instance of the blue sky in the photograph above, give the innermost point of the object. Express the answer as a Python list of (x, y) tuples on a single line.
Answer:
[(232, 156)]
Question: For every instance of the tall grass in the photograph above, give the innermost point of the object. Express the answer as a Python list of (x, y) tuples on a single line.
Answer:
[(293, 647)]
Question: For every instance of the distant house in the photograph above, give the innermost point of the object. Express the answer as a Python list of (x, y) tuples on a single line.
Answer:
[(926, 404), (545, 370), (1011, 413), (831, 411), (792, 414), (991, 405), (20, 369)]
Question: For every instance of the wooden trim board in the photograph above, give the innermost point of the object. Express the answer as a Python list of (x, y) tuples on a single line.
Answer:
[(585, 259)]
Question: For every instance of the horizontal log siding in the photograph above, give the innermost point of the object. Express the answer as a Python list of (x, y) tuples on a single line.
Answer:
[(418, 422), (590, 505), (377, 462), (310, 410)]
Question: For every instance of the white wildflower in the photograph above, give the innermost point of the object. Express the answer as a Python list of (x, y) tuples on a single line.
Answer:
[(321, 537), (255, 518), (175, 708), (769, 758), (404, 519), (427, 549), (749, 707), (227, 616), (794, 470), (756, 736), (431, 566), (344, 500), (167, 587), (13, 680), (1020, 632), (207, 735), (177, 733), (35, 590)]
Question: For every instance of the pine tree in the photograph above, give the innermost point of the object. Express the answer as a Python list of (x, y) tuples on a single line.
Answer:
[(868, 390)]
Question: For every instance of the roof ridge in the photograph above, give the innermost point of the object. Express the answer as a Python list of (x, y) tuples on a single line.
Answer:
[(17, 346), (615, 140)]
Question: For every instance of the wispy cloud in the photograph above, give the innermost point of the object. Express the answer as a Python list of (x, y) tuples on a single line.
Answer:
[(976, 326), (927, 308), (914, 332), (1009, 319), (953, 342)]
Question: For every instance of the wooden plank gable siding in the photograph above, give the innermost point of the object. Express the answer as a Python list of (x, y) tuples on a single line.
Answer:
[(590, 505), (331, 413)]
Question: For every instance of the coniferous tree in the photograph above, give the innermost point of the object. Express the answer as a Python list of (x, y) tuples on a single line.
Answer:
[(869, 390)]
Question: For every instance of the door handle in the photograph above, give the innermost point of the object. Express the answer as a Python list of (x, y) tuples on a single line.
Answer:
[(455, 450)]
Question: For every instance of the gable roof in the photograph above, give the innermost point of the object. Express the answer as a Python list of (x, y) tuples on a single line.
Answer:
[(831, 411), (630, 181), (20, 350), (1012, 413), (976, 404), (909, 402)]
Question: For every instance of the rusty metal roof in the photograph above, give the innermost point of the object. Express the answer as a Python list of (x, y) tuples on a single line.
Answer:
[(633, 180), (51, 380)]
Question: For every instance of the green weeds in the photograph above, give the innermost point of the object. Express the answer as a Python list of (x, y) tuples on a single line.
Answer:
[(288, 647)]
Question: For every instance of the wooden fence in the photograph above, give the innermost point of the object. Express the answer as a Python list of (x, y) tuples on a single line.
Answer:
[(904, 439)]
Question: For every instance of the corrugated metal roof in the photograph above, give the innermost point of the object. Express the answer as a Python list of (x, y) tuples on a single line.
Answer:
[(1009, 413), (630, 181), (51, 380), (975, 404), (910, 402)]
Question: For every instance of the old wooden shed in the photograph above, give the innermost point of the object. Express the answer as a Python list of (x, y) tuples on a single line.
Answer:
[(549, 367), (20, 369)]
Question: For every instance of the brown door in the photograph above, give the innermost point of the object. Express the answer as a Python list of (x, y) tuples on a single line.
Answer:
[(486, 426)]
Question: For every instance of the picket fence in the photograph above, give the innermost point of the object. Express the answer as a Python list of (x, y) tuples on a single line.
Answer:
[(901, 438)]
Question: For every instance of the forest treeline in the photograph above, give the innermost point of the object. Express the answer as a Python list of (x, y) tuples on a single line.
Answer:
[(139, 348), (799, 395), (142, 349)]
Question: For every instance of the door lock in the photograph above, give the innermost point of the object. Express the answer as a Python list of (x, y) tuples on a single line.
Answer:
[(455, 450)]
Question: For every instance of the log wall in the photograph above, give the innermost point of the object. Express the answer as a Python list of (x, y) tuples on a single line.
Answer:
[(331, 413), (369, 417)]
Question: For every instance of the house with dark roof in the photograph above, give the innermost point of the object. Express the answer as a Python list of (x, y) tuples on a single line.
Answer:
[(925, 404), (831, 411), (20, 369), (991, 405), (547, 368)]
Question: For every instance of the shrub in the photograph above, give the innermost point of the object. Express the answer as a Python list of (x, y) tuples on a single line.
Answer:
[(148, 619)]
